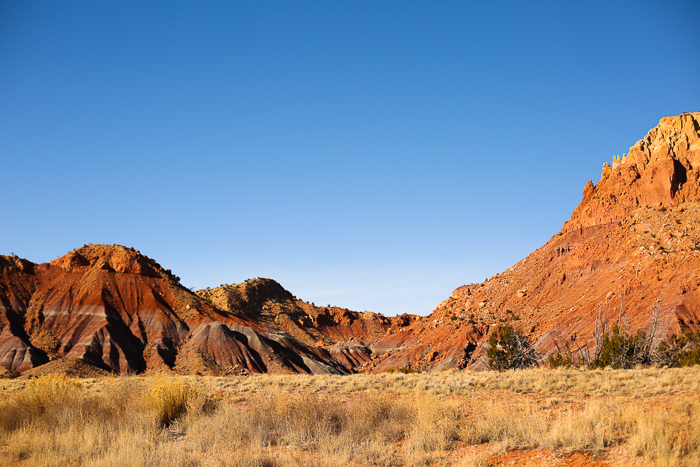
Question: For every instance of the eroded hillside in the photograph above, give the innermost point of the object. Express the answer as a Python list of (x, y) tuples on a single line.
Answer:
[(632, 245), (120, 311)]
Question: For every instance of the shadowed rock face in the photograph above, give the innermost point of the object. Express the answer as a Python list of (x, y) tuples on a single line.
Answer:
[(346, 336), (631, 245), (118, 310)]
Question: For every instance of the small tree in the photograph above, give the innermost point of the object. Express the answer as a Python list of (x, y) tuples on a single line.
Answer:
[(561, 360), (510, 348), (683, 350), (617, 347), (620, 349)]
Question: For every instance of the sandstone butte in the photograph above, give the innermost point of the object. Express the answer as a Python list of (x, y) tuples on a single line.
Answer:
[(632, 246)]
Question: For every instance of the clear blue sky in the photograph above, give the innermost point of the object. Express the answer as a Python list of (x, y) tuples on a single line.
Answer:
[(373, 155)]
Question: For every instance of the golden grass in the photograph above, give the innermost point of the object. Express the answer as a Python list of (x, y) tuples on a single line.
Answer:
[(672, 438), (392, 419), (171, 399)]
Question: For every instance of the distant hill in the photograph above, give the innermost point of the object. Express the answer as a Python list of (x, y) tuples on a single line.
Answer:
[(348, 335), (115, 309)]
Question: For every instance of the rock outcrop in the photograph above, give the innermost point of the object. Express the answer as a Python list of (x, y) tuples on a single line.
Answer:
[(266, 301), (118, 310), (632, 246), (348, 335), (662, 169)]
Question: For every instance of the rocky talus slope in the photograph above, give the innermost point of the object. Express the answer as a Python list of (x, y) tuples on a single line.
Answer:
[(117, 310), (632, 245)]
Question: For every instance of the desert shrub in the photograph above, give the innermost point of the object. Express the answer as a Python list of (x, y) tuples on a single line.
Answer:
[(561, 360), (11, 416), (590, 426), (512, 426), (510, 348), (378, 417), (170, 400), (434, 426), (308, 420), (598, 425), (405, 371), (620, 349), (683, 350)]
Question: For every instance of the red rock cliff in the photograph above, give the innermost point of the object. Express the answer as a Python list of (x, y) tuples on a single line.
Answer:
[(633, 244)]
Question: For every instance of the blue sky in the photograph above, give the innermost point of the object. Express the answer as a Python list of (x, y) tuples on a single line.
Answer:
[(370, 155)]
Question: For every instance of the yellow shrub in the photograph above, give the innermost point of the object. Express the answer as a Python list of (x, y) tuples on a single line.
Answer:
[(170, 399), (45, 391)]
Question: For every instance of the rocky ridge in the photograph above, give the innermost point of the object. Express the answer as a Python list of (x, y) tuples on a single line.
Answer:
[(349, 336), (631, 246), (662, 169), (120, 311)]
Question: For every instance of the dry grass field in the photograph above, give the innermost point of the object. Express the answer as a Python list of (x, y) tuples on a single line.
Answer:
[(528, 417)]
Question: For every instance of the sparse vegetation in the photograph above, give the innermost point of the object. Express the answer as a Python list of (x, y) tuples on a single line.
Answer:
[(621, 349), (170, 400), (391, 419), (680, 350), (510, 349), (561, 360)]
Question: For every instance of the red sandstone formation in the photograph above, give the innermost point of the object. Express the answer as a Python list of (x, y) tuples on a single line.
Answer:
[(633, 244), (346, 334), (661, 170), (118, 310)]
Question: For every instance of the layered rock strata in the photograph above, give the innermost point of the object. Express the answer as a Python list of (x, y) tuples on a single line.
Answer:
[(113, 308)]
